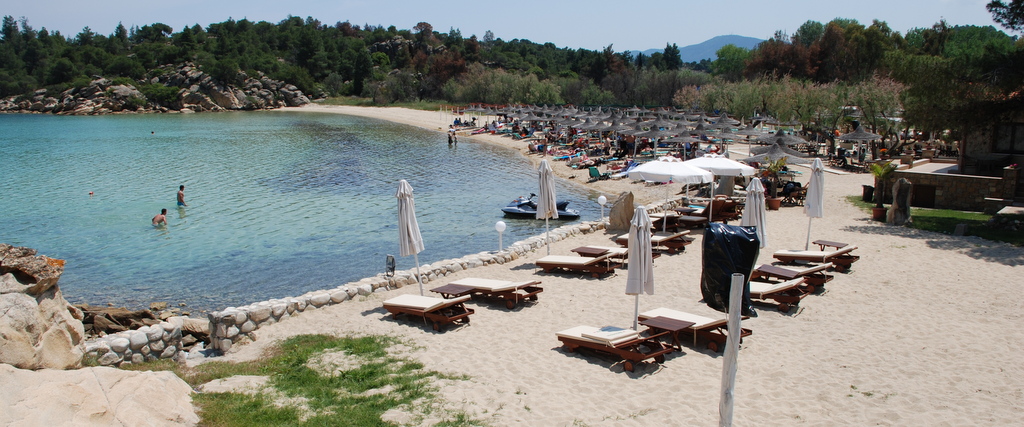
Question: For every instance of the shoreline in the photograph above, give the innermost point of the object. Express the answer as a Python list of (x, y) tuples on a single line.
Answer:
[(430, 120), (902, 338)]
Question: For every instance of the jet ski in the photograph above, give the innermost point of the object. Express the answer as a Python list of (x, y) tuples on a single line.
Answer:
[(525, 207)]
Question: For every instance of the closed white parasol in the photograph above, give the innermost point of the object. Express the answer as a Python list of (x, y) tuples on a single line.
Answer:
[(754, 211), (547, 207), (640, 273), (814, 202), (410, 242)]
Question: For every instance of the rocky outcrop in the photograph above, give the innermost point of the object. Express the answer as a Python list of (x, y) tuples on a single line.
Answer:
[(398, 43), (38, 328), (197, 92), (97, 396)]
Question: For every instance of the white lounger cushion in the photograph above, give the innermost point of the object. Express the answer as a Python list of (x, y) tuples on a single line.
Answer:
[(765, 288), (661, 237), (487, 284), (608, 335), (803, 269), (424, 303), (612, 252), (815, 255), (570, 260), (699, 322)]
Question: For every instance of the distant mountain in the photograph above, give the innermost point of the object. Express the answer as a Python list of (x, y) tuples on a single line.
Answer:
[(707, 49)]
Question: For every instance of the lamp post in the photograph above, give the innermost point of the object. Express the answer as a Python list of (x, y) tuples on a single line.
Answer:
[(601, 201), (500, 227)]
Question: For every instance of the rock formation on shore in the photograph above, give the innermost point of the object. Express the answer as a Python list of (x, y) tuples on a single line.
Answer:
[(38, 328), (196, 91)]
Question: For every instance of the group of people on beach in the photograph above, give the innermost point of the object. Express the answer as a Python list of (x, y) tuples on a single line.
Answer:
[(160, 220)]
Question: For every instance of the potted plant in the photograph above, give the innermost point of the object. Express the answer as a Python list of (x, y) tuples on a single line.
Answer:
[(883, 153), (772, 168), (881, 171)]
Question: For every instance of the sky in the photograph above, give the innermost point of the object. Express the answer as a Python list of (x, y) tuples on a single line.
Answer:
[(591, 24)]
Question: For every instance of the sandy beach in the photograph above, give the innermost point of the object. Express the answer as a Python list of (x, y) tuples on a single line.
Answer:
[(924, 330)]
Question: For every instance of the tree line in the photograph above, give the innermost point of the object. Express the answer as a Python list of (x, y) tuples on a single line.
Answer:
[(932, 77)]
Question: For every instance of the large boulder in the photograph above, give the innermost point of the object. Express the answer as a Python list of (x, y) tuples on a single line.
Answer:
[(38, 328), (621, 212), (98, 396)]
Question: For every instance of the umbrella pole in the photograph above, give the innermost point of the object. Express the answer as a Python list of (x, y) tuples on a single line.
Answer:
[(547, 235), (636, 312), (808, 243), (664, 219), (416, 259)]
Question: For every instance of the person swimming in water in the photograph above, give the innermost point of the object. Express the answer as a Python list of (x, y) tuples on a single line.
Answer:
[(160, 219)]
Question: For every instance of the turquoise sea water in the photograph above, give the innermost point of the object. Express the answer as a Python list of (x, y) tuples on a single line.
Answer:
[(279, 203)]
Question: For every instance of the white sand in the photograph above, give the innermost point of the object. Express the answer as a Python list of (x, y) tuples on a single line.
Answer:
[(925, 330)]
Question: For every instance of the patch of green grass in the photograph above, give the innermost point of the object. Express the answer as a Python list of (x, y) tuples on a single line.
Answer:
[(945, 221), (354, 397), (368, 102)]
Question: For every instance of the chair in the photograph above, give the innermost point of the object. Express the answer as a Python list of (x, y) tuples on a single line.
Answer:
[(795, 197), (787, 294), (626, 344), (596, 266), (813, 274), (595, 174), (439, 311), (840, 258), (511, 292), (672, 241), (723, 210), (715, 331)]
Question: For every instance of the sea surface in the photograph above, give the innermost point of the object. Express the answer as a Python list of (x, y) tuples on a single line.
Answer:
[(279, 203)]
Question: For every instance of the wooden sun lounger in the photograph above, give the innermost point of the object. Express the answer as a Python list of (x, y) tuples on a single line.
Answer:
[(787, 294), (439, 311), (840, 258), (715, 331), (596, 266), (814, 274), (626, 344), (672, 241), (511, 292)]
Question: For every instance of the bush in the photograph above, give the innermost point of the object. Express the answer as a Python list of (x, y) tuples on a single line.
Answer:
[(160, 94)]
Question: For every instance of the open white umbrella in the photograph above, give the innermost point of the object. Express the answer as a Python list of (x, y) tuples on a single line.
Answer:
[(671, 169), (720, 166), (754, 212), (547, 207), (814, 202), (410, 242), (640, 273)]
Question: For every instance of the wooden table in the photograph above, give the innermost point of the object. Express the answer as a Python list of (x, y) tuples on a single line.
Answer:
[(831, 244), (453, 291), (661, 325)]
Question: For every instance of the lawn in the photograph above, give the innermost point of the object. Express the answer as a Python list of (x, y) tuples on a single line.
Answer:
[(945, 221), (320, 380)]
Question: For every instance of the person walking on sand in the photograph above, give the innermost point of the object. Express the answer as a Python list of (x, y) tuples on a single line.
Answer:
[(160, 219), (181, 196)]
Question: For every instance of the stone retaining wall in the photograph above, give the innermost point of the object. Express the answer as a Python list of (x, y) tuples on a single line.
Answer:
[(961, 192), (162, 341), (233, 324)]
